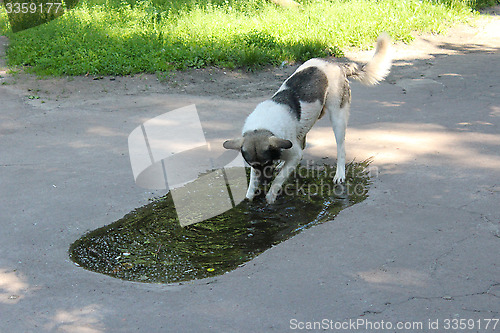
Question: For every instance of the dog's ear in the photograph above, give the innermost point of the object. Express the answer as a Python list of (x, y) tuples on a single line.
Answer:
[(279, 143), (233, 144)]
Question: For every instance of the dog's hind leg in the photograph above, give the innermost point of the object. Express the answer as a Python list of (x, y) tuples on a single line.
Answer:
[(339, 118)]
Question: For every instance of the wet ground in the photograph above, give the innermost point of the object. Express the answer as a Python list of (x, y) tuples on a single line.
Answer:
[(150, 245)]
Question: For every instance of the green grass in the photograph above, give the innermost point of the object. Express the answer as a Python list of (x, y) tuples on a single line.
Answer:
[(4, 22), (478, 4), (120, 37)]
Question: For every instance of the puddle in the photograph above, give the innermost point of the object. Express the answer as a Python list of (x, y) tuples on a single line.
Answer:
[(149, 245)]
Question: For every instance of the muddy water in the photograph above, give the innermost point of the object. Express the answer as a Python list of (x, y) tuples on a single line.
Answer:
[(149, 245)]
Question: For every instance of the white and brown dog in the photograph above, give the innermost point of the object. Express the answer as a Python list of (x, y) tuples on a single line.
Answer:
[(277, 128)]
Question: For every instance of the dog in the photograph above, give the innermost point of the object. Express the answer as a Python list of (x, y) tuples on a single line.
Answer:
[(276, 130)]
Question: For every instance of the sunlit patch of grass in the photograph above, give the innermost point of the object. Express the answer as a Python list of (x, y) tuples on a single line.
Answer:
[(113, 37), (4, 21)]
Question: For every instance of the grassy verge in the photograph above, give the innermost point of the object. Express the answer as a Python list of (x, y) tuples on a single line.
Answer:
[(120, 37), (4, 22)]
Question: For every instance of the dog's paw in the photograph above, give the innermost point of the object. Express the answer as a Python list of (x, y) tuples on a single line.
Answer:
[(250, 197), (271, 197), (251, 193), (339, 178)]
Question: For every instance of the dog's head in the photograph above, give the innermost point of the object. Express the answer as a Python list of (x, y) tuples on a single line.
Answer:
[(260, 149)]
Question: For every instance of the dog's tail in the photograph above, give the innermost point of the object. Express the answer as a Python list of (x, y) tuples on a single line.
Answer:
[(377, 68)]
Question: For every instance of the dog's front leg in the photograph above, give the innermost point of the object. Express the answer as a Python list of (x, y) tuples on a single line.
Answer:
[(288, 167), (254, 184)]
